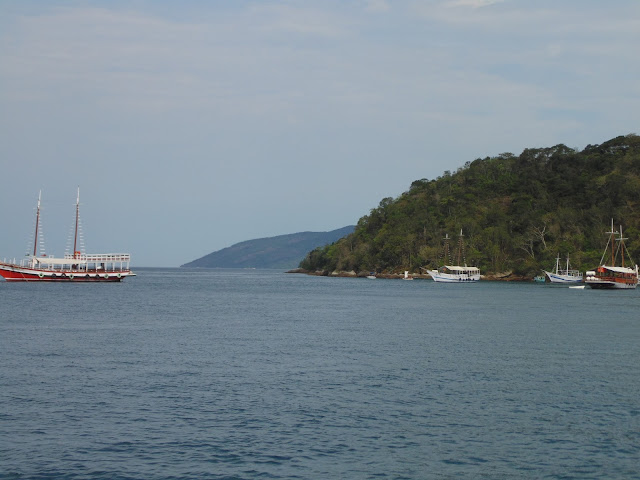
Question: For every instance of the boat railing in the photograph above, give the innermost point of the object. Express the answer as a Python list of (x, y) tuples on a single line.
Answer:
[(81, 268), (573, 273), (99, 257), (110, 262)]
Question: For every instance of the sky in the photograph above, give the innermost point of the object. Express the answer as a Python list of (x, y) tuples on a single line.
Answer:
[(194, 125)]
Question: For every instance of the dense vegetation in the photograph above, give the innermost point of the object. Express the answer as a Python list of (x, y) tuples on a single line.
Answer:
[(517, 213)]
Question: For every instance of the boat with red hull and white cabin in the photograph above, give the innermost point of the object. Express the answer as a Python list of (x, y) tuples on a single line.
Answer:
[(75, 267), (612, 276)]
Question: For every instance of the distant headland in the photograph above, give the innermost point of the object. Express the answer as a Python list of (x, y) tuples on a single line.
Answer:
[(282, 251)]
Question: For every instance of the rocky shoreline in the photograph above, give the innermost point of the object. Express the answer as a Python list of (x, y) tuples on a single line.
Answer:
[(502, 277)]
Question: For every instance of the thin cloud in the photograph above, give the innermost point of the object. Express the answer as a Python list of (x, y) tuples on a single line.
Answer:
[(303, 20), (377, 6), (471, 3)]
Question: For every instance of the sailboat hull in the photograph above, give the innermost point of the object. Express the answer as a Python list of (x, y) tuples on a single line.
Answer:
[(453, 277), (604, 285), (558, 278), (611, 283)]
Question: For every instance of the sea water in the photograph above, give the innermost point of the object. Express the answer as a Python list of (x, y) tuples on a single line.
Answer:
[(243, 374)]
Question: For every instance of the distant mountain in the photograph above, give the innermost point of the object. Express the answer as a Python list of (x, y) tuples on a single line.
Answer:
[(283, 251)]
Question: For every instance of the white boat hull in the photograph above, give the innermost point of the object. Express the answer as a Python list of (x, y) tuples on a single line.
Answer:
[(453, 277), (557, 278)]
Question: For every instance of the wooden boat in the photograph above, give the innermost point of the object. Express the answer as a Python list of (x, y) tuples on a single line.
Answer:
[(611, 275)]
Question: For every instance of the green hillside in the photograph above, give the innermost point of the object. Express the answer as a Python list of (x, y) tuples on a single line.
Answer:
[(282, 251), (517, 213)]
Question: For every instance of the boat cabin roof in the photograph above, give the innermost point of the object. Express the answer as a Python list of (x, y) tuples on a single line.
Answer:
[(619, 269), (457, 268)]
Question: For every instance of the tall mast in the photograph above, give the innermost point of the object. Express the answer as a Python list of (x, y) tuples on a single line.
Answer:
[(459, 259), (35, 241), (613, 245), (622, 246), (446, 253), (75, 238)]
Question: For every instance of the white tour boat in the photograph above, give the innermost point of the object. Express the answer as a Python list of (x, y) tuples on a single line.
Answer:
[(455, 273)]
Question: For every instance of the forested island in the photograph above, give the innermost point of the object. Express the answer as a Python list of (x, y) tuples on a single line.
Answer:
[(517, 213)]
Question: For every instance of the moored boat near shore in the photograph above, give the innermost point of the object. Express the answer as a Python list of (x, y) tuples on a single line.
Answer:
[(564, 275), (612, 275), (75, 267), (455, 273)]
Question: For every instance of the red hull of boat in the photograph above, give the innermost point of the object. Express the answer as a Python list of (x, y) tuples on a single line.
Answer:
[(11, 275)]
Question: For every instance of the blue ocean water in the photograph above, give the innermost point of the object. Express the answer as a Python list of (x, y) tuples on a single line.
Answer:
[(243, 374)]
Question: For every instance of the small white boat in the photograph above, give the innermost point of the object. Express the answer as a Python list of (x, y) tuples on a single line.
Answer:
[(564, 275), (455, 274), (406, 276), (578, 287)]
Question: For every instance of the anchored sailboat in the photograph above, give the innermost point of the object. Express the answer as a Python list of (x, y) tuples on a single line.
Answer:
[(455, 273), (612, 276), (566, 275), (75, 267)]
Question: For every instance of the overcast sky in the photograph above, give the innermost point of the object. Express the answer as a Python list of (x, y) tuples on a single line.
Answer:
[(190, 126)]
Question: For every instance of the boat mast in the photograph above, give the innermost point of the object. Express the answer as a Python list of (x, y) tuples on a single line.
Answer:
[(446, 253), (75, 238), (613, 244), (622, 246), (35, 241), (612, 240), (460, 247)]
